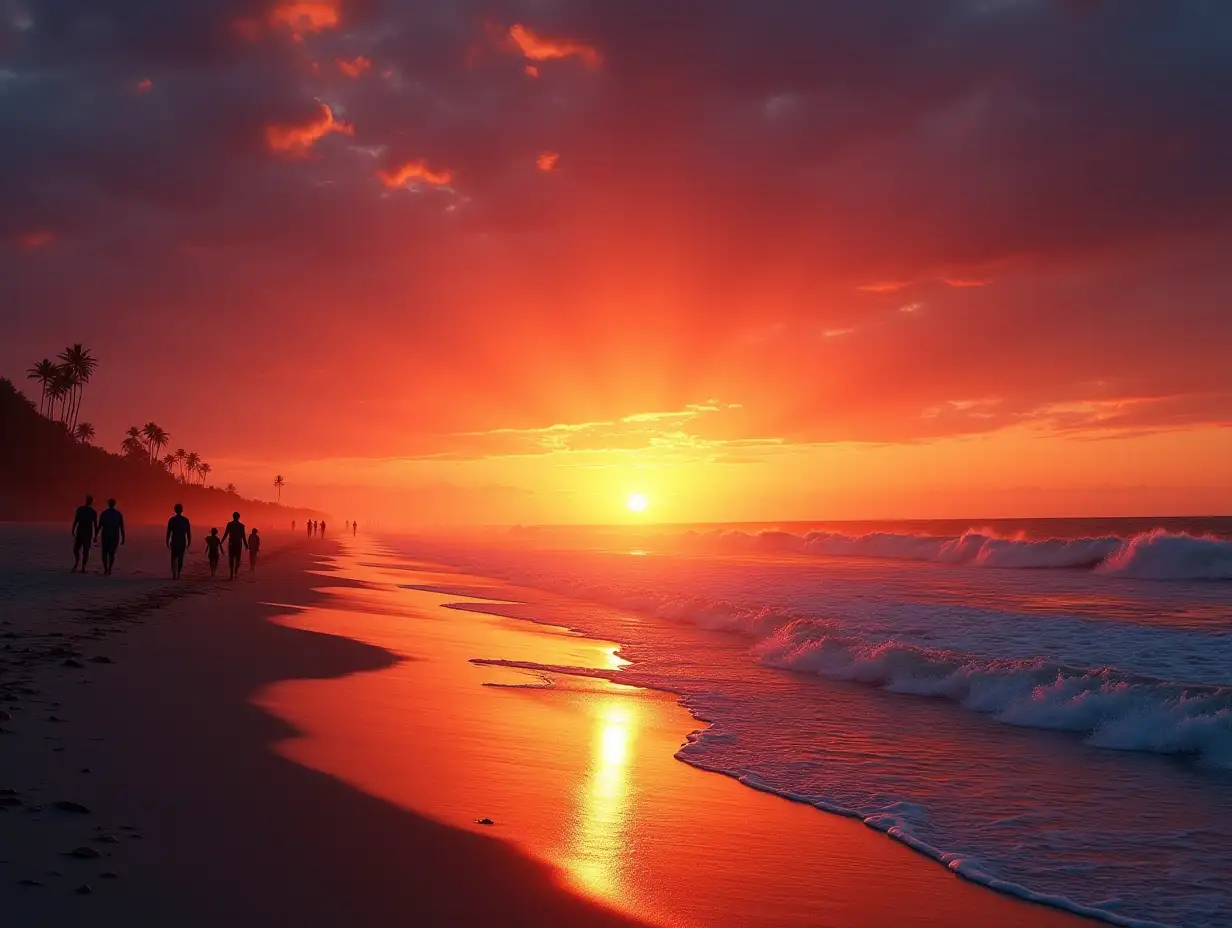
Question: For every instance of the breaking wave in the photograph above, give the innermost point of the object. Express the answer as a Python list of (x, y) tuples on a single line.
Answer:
[(1155, 555)]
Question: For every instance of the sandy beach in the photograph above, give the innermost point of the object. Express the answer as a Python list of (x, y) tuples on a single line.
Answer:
[(315, 746)]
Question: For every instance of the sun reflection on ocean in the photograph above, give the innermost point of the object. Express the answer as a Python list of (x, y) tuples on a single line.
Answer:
[(600, 840)]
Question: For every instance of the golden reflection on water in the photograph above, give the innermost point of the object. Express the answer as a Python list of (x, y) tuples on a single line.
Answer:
[(600, 841)]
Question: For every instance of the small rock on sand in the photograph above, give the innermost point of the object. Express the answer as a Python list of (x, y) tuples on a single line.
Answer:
[(5, 716), (67, 805), (101, 659), (484, 821), (72, 662), (109, 839), (84, 889), (109, 875), (85, 852), (28, 882)]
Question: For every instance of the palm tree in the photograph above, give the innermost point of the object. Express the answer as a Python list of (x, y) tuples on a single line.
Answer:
[(230, 488), (169, 463), (155, 438), (132, 447), (192, 461), (180, 455), (44, 372), (204, 470), (84, 432), (78, 362), (279, 483), (63, 383)]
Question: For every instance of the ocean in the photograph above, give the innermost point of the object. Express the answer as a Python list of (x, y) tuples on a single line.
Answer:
[(1043, 706)]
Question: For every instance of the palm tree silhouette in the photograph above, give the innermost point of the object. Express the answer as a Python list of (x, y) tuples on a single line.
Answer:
[(180, 456), (77, 361), (279, 483), (132, 446), (63, 382), (155, 438), (204, 470), (84, 432), (191, 462), (230, 488), (44, 372), (169, 463)]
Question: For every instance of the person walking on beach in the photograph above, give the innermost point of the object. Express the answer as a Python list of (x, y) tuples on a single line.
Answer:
[(233, 534), (322, 528), (179, 539), (354, 528), (292, 525), (85, 522), (111, 528), (254, 545), (213, 550)]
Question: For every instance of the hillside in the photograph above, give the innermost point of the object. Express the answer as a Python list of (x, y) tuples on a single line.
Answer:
[(45, 474)]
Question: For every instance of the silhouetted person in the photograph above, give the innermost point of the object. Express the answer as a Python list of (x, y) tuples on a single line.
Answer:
[(254, 545), (322, 528), (85, 522), (308, 526), (354, 528), (111, 528), (233, 534), (213, 550), (179, 538), (292, 525)]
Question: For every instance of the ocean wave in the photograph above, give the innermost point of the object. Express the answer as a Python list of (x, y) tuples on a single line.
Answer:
[(1110, 708), (1154, 555)]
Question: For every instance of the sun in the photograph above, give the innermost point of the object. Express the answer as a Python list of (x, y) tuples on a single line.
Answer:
[(637, 502)]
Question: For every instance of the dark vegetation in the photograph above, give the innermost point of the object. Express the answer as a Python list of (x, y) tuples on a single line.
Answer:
[(45, 472)]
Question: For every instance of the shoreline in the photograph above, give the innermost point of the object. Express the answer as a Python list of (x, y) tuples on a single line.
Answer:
[(211, 821)]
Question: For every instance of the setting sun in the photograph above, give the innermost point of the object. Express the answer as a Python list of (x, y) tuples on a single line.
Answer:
[(636, 502)]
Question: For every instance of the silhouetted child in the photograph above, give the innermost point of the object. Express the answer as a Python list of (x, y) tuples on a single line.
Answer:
[(254, 545), (213, 550)]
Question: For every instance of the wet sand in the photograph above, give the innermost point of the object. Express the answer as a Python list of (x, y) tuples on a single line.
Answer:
[(314, 748)]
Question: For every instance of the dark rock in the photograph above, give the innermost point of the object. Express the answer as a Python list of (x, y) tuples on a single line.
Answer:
[(85, 852), (5, 716), (29, 882), (109, 875), (6, 801), (109, 839), (83, 890), (73, 662), (85, 769), (101, 659), (54, 718), (67, 805), (484, 821), (54, 873)]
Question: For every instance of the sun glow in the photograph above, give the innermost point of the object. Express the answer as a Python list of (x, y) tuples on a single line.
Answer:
[(637, 502)]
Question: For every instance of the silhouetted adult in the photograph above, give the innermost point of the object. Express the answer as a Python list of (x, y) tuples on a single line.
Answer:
[(322, 528), (179, 539), (308, 526), (354, 528), (111, 528), (254, 545), (233, 535), (292, 525), (84, 524)]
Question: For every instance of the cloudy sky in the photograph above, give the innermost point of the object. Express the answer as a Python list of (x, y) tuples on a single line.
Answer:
[(757, 259)]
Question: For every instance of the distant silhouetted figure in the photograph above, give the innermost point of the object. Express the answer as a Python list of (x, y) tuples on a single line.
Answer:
[(254, 545), (354, 528), (111, 528), (213, 550), (179, 538), (236, 543), (292, 525), (322, 528), (84, 524), (308, 525)]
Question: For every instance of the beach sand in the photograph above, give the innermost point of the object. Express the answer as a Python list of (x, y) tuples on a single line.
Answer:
[(313, 746)]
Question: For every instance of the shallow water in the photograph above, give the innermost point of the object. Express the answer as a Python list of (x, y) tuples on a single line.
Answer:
[(1050, 724)]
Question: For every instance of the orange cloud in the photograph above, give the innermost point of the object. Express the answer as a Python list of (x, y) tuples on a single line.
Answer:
[(144, 85), (547, 160), (537, 48), (356, 66), (302, 17), (37, 238), (959, 282), (885, 286), (298, 140), (413, 170)]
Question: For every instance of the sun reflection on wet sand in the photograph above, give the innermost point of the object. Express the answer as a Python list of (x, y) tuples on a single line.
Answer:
[(599, 841)]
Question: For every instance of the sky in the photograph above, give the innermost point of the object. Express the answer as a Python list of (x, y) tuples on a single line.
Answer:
[(514, 260)]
